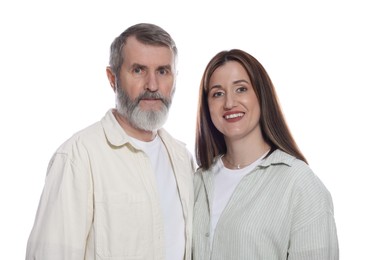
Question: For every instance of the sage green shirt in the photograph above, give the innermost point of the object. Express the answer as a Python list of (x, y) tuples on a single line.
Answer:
[(281, 210)]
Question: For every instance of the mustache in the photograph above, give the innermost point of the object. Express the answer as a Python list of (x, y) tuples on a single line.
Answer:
[(153, 95)]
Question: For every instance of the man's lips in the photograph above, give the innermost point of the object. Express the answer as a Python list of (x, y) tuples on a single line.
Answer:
[(151, 102), (151, 99)]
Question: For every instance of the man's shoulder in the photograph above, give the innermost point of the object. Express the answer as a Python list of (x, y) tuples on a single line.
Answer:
[(84, 136)]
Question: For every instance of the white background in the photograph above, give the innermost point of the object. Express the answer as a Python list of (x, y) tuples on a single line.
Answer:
[(53, 56)]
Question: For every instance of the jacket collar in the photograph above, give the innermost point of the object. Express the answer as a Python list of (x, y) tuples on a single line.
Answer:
[(117, 136), (114, 133)]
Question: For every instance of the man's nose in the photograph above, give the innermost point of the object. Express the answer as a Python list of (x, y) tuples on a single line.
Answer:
[(152, 82)]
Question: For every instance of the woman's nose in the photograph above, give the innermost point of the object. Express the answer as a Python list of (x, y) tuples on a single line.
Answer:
[(229, 101)]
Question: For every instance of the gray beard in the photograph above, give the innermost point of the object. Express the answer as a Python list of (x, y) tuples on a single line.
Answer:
[(147, 120)]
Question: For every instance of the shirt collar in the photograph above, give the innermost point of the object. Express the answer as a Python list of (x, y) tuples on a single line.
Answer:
[(277, 157)]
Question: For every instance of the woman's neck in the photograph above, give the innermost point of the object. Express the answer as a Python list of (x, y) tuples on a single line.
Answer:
[(244, 152)]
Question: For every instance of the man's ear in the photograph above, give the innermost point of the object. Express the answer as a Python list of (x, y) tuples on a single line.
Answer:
[(111, 77)]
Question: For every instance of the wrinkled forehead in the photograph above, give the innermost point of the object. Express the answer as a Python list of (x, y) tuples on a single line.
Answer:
[(148, 54)]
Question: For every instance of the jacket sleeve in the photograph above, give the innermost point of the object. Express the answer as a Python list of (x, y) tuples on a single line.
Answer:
[(65, 211)]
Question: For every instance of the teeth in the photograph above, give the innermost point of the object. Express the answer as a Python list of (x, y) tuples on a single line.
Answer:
[(233, 115)]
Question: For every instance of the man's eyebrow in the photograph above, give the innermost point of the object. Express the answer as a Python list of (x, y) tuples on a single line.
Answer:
[(167, 67), (137, 65)]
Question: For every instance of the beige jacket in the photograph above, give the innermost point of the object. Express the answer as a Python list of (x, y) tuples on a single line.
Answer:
[(100, 199)]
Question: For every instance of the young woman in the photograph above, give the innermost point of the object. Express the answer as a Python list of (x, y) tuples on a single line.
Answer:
[(255, 195)]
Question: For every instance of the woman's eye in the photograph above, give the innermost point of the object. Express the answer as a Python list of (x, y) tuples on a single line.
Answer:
[(217, 94), (241, 89)]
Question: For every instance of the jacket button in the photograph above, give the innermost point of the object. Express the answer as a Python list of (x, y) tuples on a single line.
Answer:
[(207, 234)]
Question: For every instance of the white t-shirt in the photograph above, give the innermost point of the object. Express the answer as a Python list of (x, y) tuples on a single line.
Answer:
[(169, 197), (225, 182)]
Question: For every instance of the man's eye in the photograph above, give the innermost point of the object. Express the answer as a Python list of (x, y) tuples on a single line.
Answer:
[(162, 71), (137, 70)]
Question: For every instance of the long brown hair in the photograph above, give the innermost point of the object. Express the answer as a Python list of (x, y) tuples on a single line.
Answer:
[(210, 142)]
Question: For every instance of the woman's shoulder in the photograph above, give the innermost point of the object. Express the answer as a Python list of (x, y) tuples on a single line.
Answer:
[(293, 170)]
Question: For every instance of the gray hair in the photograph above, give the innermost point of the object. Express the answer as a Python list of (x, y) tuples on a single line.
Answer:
[(145, 33)]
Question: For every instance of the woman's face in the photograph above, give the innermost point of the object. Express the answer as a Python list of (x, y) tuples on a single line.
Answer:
[(232, 102)]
